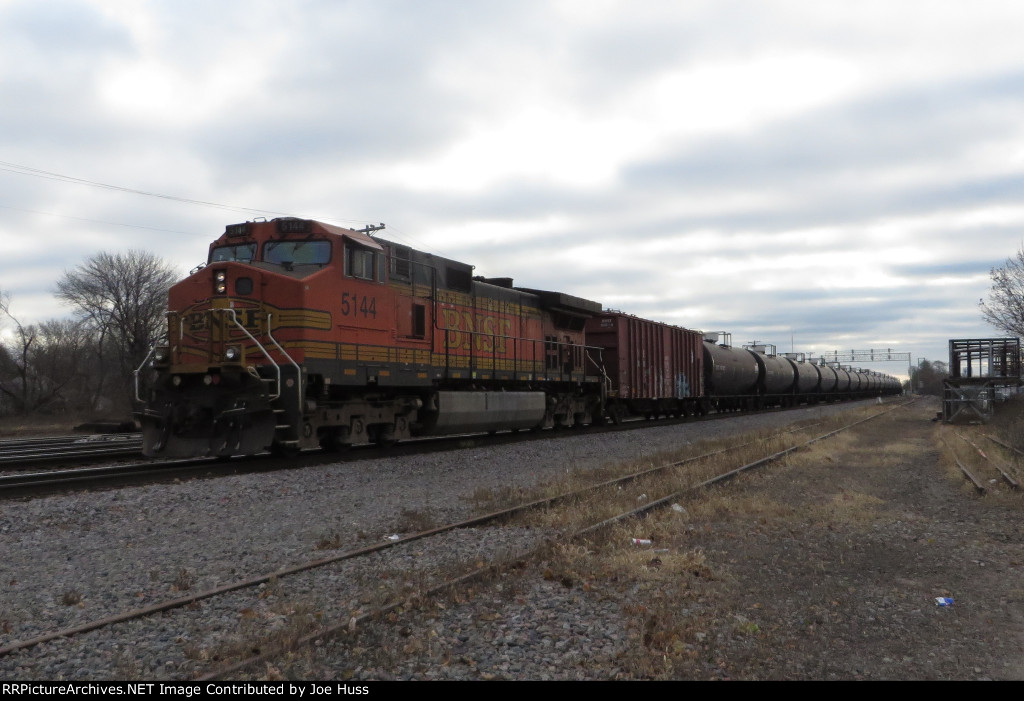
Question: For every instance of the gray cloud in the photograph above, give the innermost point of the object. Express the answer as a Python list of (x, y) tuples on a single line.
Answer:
[(324, 93)]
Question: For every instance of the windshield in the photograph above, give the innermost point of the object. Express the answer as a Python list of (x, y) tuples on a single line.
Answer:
[(298, 252), (243, 252)]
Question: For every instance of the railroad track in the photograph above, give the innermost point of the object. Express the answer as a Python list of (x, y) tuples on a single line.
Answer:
[(440, 584), (986, 464), (20, 453), (70, 450)]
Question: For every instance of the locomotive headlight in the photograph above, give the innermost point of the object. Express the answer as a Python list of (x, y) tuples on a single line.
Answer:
[(220, 282), (233, 353), (161, 355)]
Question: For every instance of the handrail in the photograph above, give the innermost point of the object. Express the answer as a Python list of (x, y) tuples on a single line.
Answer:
[(277, 368), (145, 360), (298, 370), (606, 380)]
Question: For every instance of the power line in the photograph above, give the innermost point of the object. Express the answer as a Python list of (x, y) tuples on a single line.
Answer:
[(59, 177), (99, 221), (48, 175)]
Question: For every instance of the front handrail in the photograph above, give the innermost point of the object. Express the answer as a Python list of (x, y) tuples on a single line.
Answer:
[(276, 393), (138, 370), (298, 370), (266, 353)]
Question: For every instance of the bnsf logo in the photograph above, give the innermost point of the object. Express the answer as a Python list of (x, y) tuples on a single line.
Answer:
[(197, 324), (481, 332)]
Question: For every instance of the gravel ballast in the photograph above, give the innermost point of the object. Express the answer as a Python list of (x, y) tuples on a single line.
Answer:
[(77, 558)]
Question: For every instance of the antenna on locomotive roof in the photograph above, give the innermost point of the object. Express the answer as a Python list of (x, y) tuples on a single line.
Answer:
[(370, 228)]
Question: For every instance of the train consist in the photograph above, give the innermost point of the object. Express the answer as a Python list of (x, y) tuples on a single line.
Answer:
[(298, 334)]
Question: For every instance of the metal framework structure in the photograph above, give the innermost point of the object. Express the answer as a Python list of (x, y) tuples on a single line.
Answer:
[(887, 355), (978, 368), (866, 356)]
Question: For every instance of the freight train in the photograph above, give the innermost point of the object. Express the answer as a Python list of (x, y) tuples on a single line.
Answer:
[(299, 334)]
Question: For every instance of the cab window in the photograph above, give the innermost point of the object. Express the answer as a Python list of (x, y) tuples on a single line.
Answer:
[(359, 263), (243, 253), (297, 252)]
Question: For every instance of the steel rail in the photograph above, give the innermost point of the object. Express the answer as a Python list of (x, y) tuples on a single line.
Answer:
[(1007, 477)]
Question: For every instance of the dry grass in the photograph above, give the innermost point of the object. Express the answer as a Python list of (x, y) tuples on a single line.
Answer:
[(415, 520), (126, 667), (184, 580), (597, 505), (665, 623), (71, 597), (1006, 426), (329, 541), (271, 630)]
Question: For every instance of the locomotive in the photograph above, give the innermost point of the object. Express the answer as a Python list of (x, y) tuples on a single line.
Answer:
[(299, 334)]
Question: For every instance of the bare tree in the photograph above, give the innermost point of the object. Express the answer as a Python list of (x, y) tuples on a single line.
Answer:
[(122, 298), (43, 367), (928, 377), (14, 360), (60, 364), (1005, 307)]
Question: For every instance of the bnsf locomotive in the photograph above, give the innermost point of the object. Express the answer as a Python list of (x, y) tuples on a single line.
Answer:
[(298, 334)]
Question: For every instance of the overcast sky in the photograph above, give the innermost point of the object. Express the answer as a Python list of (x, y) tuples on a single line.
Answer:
[(818, 175)]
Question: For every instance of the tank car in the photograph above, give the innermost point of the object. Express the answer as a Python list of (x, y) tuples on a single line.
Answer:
[(808, 378), (731, 375), (829, 381), (755, 377), (298, 334), (778, 377)]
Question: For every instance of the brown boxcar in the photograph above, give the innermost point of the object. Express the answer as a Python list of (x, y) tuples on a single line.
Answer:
[(652, 368)]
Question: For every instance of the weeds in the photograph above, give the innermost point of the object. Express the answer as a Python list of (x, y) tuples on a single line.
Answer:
[(332, 541), (415, 520), (184, 580), (71, 598)]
